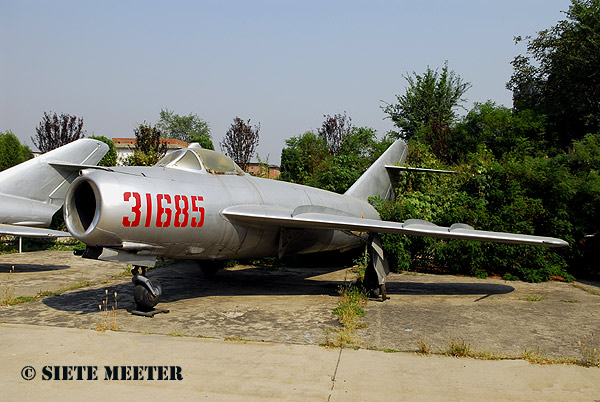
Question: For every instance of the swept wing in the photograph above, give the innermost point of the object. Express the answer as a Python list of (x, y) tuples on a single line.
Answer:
[(265, 215)]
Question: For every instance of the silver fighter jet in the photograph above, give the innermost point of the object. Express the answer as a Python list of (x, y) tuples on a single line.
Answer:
[(198, 204), (32, 192)]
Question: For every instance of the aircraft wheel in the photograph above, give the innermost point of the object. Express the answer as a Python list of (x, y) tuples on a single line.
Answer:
[(375, 293), (144, 300)]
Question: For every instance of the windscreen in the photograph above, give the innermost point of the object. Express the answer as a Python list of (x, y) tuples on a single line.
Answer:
[(218, 163)]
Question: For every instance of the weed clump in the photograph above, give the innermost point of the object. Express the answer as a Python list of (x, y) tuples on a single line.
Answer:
[(458, 349), (349, 311), (589, 351), (350, 307), (423, 347), (7, 296), (110, 315)]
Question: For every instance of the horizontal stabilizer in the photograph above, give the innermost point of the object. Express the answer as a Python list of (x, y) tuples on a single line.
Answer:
[(264, 215), (73, 167), (28, 231)]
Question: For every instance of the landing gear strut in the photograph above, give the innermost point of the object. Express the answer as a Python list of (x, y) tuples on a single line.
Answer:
[(376, 271), (147, 293)]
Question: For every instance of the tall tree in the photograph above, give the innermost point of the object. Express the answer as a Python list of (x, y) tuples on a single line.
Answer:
[(558, 76), (148, 147), (307, 160), (55, 131), (240, 142), (11, 151), (190, 128), (333, 130), (499, 129), (301, 157), (427, 108), (358, 150)]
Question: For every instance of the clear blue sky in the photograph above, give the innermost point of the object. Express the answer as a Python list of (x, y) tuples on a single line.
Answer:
[(283, 64)]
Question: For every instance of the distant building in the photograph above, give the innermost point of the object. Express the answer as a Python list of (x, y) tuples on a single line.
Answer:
[(259, 170), (125, 146)]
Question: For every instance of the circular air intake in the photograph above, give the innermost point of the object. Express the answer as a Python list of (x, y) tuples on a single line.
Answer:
[(81, 207)]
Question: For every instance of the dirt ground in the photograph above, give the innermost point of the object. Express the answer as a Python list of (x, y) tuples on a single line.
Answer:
[(294, 305)]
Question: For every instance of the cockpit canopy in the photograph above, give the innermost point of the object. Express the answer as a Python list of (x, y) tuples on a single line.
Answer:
[(196, 158)]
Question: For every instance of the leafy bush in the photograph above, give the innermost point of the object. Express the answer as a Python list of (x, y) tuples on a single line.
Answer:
[(486, 194)]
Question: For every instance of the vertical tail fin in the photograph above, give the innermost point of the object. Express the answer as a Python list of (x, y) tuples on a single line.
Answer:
[(376, 180), (37, 180)]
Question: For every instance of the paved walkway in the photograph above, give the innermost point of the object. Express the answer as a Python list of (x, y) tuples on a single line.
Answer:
[(228, 370)]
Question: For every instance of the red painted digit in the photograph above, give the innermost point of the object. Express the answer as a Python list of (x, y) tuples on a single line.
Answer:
[(197, 208), (148, 210), (160, 210), (181, 211), (135, 209), (126, 196)]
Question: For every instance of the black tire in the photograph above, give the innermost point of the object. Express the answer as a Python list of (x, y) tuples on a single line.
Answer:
[(144, 300), (375, 293), (371, 282)]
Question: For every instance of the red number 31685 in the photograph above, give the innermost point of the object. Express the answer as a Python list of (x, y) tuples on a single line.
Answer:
[(180, 210)]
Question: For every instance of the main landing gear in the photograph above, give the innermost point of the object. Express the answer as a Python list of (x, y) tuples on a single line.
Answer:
[(146, 293), (376, 290), (376, 271)]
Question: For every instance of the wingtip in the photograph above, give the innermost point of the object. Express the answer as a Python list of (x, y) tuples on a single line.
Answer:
[(556, 242)]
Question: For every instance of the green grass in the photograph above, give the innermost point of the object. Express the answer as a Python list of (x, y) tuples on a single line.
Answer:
[(350, 306), (590, 352), (458, 349), (349, 311), (126, 272), (586, 289), (8, 298), (39, 244), (17, 300), (235, 339)]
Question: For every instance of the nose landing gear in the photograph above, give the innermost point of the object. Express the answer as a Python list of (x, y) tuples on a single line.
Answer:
[(147, 293)]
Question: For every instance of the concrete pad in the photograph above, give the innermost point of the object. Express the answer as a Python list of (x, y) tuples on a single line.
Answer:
[(26, 274), (274, 317), (367, 375), (221, 370), (491, 315), (292, 305)]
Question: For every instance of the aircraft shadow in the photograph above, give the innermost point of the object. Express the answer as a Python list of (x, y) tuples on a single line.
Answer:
[(589, 283), (447, 289), (6, 268), (186, 281)]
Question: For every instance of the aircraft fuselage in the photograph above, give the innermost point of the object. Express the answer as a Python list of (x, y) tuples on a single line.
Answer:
[(176, 213)]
